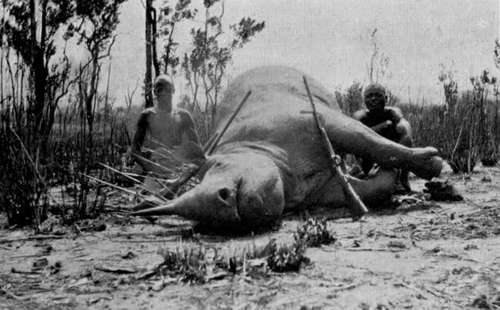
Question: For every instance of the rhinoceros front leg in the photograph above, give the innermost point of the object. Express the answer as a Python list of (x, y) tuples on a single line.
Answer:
[(352, 136)]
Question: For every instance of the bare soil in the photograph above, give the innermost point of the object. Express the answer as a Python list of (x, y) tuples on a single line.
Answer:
[(418, 256)]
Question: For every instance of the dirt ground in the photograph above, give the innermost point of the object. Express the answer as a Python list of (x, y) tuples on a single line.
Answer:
[(419, 256)]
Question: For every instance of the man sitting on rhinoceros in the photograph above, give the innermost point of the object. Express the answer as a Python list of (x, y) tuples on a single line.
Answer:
[(386, 121), (272, 159), (168, 126)]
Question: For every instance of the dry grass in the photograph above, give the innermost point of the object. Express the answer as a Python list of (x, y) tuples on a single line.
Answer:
[(465, 129), (71, 151), (199, 265)]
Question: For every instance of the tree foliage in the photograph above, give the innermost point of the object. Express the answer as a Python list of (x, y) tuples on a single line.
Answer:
[(206, 64), (169, 19), (34, 36)]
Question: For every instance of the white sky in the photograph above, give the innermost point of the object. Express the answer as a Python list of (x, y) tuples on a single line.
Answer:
[(330, 40)]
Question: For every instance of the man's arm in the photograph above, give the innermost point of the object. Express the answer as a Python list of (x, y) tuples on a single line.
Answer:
[(140, 133), (381, 126), (188, 130), (142, 128), (402, 127), (361, 116)]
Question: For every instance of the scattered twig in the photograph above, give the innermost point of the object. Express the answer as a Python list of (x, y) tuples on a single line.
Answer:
[(12, 295), (174, 238), (373, 250), (348, 287), (115, 186), (142, 158), (413, 288), (26, 256), (434, 293), (162, 155), (119, 270), (146, 274), (28, 272), (161, 144), (32, 238), (135, 180), (126, 175)]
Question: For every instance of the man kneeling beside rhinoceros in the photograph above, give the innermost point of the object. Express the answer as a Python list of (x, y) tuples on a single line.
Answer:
[(271, 159)]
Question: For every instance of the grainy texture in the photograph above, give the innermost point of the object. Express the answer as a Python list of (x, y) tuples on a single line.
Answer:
[(421, 256)]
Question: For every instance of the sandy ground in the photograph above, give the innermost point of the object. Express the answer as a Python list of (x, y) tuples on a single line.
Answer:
[(426, 256)]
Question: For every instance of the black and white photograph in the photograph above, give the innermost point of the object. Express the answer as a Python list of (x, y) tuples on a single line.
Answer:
[(249, 154)]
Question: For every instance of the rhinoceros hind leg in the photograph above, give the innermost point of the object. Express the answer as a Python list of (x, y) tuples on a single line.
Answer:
[(374, 190), (378, 188), (349, 135)]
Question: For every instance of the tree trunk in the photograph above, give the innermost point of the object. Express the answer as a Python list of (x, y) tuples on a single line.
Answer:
[(156, 64), (148, 78)]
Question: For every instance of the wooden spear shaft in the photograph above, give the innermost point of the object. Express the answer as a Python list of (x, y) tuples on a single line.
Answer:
[(229, 121), (356, 205)]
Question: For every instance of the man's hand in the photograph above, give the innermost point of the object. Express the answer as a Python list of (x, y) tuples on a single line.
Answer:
[(129, 158), (382, 126)]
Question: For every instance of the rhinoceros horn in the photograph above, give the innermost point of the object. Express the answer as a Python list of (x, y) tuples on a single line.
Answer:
[(191, 206)]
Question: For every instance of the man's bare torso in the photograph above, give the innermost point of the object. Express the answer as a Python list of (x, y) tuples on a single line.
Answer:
[(168, 129)]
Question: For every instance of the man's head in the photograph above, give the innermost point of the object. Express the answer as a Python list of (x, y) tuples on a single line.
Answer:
[(375, 97), (163, 85), (163, 91)]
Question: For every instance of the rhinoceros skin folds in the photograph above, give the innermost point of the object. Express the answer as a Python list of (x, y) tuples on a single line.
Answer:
[(271, 158)]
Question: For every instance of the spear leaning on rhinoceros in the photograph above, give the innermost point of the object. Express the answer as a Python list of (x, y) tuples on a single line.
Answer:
[(271, 160), (356, 205)]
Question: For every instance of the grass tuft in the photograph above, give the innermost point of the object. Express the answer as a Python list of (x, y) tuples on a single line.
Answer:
[(314, 232)]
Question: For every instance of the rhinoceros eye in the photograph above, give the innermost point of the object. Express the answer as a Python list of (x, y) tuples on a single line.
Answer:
[(224, 193)]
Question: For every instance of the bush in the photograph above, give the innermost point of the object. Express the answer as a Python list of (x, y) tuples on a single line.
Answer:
[(24, 193), (465, 129)]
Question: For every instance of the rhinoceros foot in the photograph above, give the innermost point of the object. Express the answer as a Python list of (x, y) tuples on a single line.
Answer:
[(426, 164)]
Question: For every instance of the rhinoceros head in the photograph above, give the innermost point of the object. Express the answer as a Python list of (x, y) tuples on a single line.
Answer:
[(240, 189)]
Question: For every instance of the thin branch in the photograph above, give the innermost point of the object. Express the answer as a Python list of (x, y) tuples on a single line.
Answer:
[(135, 180), (114, 186)]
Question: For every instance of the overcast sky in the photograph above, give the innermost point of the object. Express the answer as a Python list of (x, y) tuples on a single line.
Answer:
[(330, 40)]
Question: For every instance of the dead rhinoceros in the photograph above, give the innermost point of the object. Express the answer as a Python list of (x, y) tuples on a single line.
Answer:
[(272, 159)]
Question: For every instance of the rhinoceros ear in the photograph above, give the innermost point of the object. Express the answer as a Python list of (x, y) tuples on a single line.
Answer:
[(189, 152)]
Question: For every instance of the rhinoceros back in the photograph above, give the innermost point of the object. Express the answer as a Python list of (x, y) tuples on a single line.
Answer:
[(276, 90), (273, 116)]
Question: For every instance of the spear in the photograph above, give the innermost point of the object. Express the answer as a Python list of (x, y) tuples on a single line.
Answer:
[(356, 206)]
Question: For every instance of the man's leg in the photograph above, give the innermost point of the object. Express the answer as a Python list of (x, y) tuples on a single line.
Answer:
[(406, 140)]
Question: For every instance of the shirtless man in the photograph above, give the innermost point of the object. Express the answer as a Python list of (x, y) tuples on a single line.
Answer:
[(168, 126), (386, 121)]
